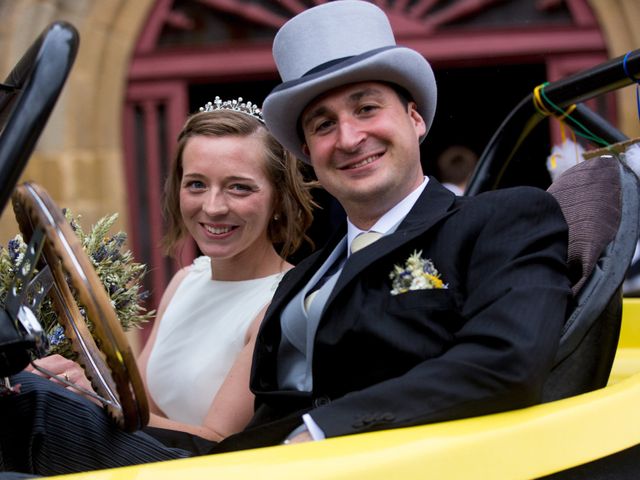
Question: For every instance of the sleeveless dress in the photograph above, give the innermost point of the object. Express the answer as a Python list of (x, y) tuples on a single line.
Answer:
[(200, 335)]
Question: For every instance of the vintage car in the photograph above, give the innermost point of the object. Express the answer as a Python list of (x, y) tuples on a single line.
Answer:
[(589, 425)]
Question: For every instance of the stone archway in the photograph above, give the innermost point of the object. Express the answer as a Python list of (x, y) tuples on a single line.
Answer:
[(79, 156)]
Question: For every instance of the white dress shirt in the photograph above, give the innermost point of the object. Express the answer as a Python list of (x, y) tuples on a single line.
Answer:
[(390, 220)]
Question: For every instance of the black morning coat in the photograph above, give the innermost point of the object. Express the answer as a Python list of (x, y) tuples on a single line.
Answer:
[(482, 345)]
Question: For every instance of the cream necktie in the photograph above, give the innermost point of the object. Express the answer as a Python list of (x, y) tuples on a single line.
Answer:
[(363, 240)]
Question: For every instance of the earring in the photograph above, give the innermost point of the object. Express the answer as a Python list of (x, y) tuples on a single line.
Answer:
[(276, 217)]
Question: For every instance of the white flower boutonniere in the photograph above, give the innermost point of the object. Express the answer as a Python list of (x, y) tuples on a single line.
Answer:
[(417, 274)]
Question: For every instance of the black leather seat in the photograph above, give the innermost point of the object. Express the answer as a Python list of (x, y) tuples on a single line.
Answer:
[(600, 199)]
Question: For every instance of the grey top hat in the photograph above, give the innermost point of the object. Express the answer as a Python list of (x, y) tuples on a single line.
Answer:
[(335, 44)]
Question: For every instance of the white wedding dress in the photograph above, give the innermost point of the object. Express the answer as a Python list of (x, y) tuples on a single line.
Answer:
[(200, 335)]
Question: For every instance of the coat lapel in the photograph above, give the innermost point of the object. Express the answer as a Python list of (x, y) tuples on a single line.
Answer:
[(263, 371), (432, 206), (297, 278)]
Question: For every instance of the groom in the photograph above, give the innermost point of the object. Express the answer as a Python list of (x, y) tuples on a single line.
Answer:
[(454, 308)]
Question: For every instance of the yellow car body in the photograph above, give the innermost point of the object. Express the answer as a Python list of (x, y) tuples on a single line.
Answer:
[(527, 443)]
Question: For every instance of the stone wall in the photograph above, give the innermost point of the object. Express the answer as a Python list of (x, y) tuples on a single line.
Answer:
[(79, 157)]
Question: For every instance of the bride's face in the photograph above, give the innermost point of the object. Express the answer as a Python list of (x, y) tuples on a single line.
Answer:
[(226, 198)]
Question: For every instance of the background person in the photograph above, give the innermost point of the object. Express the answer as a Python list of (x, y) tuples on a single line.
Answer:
[(455, 167)]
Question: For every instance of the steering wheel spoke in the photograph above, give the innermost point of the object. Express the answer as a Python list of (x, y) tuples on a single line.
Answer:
[(105, 355)]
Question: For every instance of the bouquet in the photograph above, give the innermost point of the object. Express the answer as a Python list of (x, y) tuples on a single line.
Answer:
[(119, 273)]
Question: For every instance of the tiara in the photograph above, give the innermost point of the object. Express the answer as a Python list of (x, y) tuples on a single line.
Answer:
[(238, 105)]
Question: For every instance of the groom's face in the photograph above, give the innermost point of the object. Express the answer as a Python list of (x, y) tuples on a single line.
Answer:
[(363, 142)]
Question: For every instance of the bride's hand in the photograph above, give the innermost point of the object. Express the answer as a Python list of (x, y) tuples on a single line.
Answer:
[(58, 366)]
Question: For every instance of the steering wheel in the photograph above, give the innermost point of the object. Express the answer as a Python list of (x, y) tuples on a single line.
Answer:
[(105, 356)]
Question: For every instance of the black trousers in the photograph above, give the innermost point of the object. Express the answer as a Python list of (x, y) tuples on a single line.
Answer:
[(47, 430)]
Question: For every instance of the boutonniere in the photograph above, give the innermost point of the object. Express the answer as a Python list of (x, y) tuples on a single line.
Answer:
[(417, 274)]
